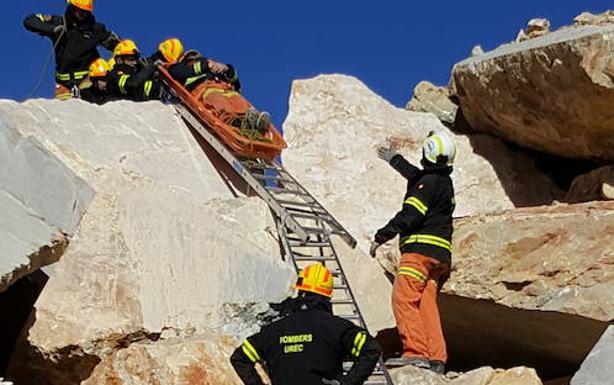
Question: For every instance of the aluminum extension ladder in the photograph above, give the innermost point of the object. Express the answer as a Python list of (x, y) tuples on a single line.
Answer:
[(304, 227)]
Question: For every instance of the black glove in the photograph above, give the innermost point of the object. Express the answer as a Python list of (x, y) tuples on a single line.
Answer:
[(373, 248)]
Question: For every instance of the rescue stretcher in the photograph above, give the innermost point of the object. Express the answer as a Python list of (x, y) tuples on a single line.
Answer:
[(240, 145)]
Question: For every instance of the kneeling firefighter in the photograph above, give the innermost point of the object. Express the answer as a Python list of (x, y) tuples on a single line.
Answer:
[(308, 346)]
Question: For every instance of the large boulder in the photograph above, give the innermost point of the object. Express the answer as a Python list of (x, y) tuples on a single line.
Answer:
[(597, 368), (428, 97), (591, 186), (334, 126), (532, 258), (486, 375), (553, 93), (164, 243), (41, 204)]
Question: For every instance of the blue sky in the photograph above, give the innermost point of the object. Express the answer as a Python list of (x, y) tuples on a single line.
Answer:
[(389, 45)]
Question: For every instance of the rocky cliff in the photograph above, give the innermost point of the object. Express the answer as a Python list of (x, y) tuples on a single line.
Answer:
[(163, 268)]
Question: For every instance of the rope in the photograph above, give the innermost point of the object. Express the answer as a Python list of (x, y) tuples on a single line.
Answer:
[(46, 66)]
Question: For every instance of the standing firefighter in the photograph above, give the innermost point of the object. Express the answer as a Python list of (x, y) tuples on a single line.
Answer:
[(308, 346), (424, 225), (75, 37)]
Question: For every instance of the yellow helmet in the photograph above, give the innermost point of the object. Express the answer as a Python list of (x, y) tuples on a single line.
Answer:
[(316, 278), (126, 47), (171, 49), (111, 62), (99, 68), (86, 5)]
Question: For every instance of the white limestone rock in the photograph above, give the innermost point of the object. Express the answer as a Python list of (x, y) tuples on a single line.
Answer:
[(334, 126), (41, 204), (597, 368), (164, 243)]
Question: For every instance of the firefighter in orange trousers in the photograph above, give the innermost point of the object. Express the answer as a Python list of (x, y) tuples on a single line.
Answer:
[(75, 37), (424, 225)]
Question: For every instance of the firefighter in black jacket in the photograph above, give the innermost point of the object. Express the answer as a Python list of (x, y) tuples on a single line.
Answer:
[(308, 346), (424, 225), (132, 77), (75, 38)]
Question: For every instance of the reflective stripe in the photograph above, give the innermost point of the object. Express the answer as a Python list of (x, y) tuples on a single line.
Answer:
[(413, 272), (250, 352), (439, 144), (428, 239), (225, 93), (359, 342), (198, 68), (417, 204), (122, 83), (75, 75), (40, 17), (193, 79), (148, 87)]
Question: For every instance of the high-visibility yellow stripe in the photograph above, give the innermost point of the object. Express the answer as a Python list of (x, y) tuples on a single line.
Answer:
[(428, 239), (75, 75), (40, 17), (193, 79), (417, 204), (249, 354), (122, 84), (439, 144), (198, 68), (413, 272), (148, 86), (359, 342), (247, 345)]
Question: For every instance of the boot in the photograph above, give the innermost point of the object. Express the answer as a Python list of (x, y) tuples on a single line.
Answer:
[(438, 367), (263, 122), (250, 119)]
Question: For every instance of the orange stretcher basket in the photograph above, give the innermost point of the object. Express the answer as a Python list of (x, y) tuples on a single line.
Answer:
[(240, 145)]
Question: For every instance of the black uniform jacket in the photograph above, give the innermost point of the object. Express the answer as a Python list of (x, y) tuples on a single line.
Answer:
[(425, 220), (77, 47), (307, 345), (191, 71)]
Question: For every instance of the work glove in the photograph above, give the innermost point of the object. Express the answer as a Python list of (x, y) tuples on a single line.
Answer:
[(59, 29), (330, 382), (373, 249), (386, 153)]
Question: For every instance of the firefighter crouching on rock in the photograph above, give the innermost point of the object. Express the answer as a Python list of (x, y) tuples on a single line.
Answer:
[(132, 77), (96, 89), (424, 225), (75, 37), (308, 346), (216, 86)]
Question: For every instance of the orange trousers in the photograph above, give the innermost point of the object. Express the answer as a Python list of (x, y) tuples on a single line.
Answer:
[(228, 105), (414, 303)]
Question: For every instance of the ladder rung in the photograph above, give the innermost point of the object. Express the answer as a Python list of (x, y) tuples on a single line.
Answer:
[(301, 204), (310, 244), (319, 216), (280, 191), (315, 258), (273, 179), (343, 302)]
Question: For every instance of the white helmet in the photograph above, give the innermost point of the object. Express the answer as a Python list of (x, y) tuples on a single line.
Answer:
[(439, 148)]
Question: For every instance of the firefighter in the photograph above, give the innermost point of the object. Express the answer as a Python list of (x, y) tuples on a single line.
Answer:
[(424, 225), (96, 89), (216, 85), (308, 346), (132, 78), (75, 37)]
